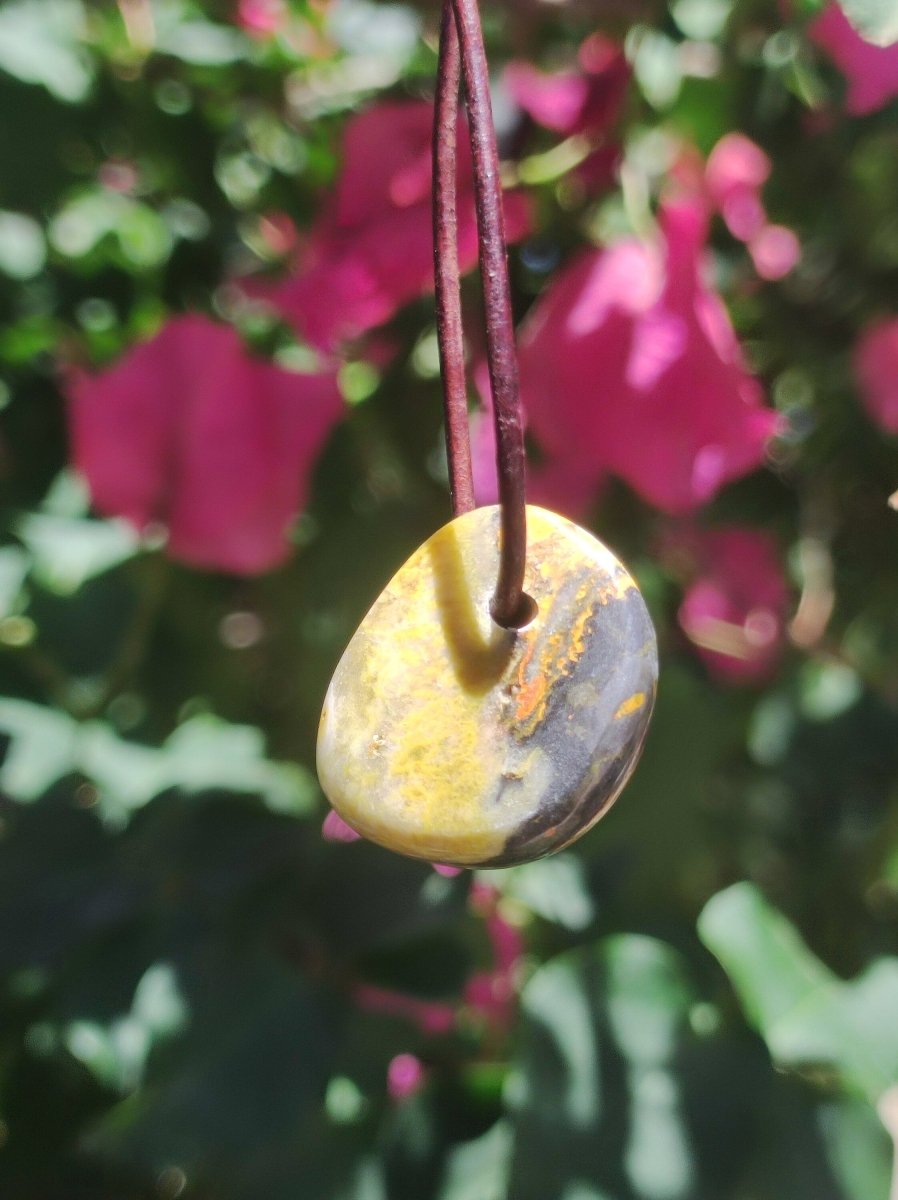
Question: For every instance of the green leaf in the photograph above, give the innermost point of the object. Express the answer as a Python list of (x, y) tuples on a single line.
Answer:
[(594, 1091), (42, 748), (116, 1054), (478, 1170), (23, 250), (203, 754), (554, 888), (13, 570), (875, 20), (206, 753), (205, 45), (40, 42), (141, 235), (232, 1090), (185, 35), (384, 31), (702, 19), (857, 1147), (67, 551), (807, 1016)]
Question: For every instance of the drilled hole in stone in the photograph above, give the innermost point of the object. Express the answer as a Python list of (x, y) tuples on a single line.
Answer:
[(526, 614)]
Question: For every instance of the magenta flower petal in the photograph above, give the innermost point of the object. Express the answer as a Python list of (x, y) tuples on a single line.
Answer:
[(335, 829), (405, 1076), (373, 250), (734, 611), (507, 942), (191, 431), (774, 250), (736, 171), (871, 72), (261, 18), (875, 363), (555, 101), (629, 365), (431, 1016), (588, 100), (446, 871)]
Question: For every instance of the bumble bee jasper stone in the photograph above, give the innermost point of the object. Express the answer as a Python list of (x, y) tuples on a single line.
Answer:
[(447, 738)]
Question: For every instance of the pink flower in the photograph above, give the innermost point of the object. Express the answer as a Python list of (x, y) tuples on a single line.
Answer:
[(278, 232), (261, 18), (629, 365), (119, 175), (734, 610), (585, 101), (736, 171), (774, 250), (446, 871), (191, 431), (875, 364), (431, 1016), (493, 993), (871, 72), (405, 1076), (372, 250), (335, 829)]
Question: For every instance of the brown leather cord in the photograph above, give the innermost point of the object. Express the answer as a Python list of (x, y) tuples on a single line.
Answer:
[(462, 38)]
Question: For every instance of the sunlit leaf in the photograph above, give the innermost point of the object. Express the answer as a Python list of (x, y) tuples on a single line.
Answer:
[(857, 1146), (239, 1081), (42, 748), (364, 28), (141, 235), (117, 1053), (13, 570), (203, 754), (67, 551), (875, 20), (807, 1016), (40, 42), (23, 250), (478, 1170), (555, 888), (595, 1092)]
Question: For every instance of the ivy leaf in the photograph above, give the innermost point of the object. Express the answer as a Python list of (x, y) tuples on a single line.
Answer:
[(203, 754), (806, 1015), (594, 1094)]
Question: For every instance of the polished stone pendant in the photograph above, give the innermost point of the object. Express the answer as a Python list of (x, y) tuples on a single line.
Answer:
[(448, 738)]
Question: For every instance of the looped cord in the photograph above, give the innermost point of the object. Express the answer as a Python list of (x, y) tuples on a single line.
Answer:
[(462, 56)]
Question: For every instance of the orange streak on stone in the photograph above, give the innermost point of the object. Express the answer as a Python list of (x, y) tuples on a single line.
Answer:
[(631, 705)]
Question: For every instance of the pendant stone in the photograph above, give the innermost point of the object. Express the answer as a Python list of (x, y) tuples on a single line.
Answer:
[(448, 738)]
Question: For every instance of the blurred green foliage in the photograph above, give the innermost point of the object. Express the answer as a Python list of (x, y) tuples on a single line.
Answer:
[(178, 946)]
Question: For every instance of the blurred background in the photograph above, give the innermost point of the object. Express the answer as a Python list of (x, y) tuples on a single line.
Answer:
[(221, 435)]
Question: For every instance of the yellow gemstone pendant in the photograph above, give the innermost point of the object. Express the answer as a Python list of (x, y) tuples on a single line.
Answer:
[(448, 738)]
